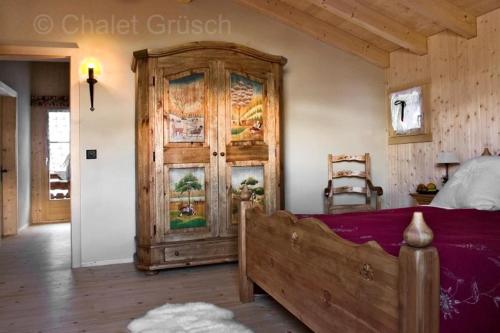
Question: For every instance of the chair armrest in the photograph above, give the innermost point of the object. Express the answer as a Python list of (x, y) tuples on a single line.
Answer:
[(379, 190), (329, 190)]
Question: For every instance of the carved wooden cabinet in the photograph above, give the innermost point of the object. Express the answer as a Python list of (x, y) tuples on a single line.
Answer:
[(207, 124)]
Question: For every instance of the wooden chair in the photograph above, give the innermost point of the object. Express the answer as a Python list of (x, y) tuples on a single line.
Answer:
[(366, 191)]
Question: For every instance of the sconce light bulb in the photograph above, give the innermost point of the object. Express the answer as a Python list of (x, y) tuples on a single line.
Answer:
[(90, 63), (90, 68)]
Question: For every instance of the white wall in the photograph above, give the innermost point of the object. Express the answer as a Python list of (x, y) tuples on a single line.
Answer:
[(16, 74), (334, 102)]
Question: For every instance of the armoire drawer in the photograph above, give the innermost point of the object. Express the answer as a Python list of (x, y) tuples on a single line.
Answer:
[(205, 250)]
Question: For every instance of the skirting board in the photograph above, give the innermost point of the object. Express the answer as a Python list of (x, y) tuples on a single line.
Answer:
[(23, 227), (107, 262)]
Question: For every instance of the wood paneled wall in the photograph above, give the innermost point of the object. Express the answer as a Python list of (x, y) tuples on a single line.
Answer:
[(465, 101)]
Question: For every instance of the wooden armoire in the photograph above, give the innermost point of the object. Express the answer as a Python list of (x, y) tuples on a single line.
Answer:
[(207, 126)]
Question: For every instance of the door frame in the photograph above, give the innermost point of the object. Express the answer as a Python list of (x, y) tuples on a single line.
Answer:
[(69, 51), (9, 160), (6, 91)]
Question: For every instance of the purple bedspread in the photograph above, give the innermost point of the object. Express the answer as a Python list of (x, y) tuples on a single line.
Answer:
[(468, 242)]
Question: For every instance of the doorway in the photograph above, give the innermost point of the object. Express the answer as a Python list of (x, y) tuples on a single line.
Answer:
[(70, 52), (44, 135)]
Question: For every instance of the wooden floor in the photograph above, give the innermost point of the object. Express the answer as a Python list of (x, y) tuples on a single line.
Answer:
[(40, 293)]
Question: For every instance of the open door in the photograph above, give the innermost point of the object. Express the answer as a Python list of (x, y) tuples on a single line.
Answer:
[(50, 165), (8, 166), (50, 143)]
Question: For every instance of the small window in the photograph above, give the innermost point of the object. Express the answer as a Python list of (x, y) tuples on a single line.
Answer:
[(410, 114), (59, 154)]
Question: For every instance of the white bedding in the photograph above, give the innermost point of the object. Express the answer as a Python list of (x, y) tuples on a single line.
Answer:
[(476, 184)]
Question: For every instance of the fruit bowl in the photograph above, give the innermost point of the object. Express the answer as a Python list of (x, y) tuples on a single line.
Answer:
[(430, 188), (428, 192)]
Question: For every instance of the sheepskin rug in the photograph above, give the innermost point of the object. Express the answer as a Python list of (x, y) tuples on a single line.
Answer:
[(187, 318)]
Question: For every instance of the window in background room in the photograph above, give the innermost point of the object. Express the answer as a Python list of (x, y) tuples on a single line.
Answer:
[(59, 154)]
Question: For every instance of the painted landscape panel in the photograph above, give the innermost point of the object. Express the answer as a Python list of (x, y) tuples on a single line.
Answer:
[(186, 109), (247, 109), (187, 198), (253, 178)]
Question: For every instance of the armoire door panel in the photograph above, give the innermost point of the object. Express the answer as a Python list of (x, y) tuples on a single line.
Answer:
[(188, 196), (257, 177), (247, 153), (253, 176), (183, 155), (190, 173), (246, 109), (186, 121)]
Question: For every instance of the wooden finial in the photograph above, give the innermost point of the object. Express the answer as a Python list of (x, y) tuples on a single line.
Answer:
[(486, 152), (418, 233)]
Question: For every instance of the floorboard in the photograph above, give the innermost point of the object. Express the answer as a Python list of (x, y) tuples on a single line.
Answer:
[(40, 293)]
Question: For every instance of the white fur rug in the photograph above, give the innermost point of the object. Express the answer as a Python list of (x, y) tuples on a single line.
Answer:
[(187, 318)]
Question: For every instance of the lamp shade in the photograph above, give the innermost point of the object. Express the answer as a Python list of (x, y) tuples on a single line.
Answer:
[(447, 158)]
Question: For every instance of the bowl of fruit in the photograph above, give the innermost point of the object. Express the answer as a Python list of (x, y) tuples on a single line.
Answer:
[(430, 188)]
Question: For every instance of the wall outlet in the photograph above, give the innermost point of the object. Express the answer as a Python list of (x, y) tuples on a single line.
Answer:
[(91, 154)]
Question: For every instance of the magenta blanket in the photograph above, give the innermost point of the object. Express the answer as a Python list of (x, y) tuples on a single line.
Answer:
[(468, 242)]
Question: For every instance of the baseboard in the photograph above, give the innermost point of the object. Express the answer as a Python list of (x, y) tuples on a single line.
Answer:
[(107, 262), (49, 222), (23, 227)]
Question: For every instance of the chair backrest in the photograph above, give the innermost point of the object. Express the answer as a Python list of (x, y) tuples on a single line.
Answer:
[(363, 174)]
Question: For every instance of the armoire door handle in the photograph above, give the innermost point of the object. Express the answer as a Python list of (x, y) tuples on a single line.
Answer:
[(214, 153), (222, 154)]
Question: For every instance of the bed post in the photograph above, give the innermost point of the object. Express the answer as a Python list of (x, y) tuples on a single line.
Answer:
[(418, 280), (246, 285)]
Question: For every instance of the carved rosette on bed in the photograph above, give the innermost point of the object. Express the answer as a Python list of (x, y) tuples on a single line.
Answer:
[(334, 285)]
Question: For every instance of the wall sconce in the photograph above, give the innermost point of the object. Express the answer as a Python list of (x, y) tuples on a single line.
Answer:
[(91, 68), (447, 158), (91, 81)]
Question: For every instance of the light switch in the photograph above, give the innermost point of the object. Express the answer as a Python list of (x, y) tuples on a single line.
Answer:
[(91, 154)]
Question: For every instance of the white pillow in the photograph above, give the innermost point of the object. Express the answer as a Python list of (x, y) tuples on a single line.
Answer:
[(476, 184)]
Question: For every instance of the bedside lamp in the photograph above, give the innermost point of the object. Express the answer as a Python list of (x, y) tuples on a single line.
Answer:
[(447, 158)]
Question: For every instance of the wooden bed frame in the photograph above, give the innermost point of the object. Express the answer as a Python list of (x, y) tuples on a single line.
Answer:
[(334, 285)]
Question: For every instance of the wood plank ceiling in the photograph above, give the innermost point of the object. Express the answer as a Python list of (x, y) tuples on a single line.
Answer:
[(373, 28)]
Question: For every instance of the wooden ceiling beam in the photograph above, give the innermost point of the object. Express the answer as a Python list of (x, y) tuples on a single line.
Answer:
[(445, 14), (376, 23), (320, 30)]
